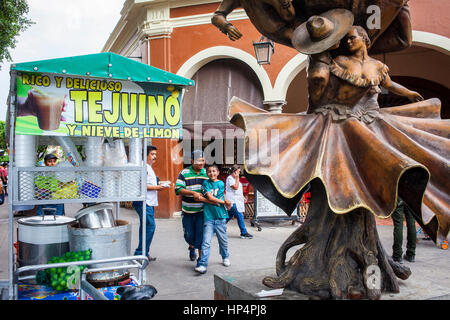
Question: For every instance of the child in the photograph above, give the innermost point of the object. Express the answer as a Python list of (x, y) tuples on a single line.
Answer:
[(215, 218)]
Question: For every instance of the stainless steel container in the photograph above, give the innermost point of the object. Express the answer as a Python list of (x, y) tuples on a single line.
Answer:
[(42, 237), (105, 243), (98, 216)]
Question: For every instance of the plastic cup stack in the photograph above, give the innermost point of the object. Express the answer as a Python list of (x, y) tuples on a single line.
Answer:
[(25, 156), (131, 182), (93, 149), (135, 152), (110, 184), (71, 151)]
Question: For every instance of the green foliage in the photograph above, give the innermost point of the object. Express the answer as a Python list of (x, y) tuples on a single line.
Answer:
[(5, 157), (2, 135), (13, 20)]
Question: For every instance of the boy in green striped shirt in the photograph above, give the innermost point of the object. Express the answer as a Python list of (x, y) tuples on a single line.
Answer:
[(189, 186)]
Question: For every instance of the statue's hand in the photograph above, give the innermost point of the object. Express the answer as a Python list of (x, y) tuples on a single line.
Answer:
[(415, 96), (232, 32)]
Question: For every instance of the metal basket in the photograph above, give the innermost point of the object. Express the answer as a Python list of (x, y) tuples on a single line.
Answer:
[(47, 184)]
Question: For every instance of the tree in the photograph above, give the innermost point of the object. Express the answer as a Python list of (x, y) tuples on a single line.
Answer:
[(13, 20), (3, 144), (2, 135)]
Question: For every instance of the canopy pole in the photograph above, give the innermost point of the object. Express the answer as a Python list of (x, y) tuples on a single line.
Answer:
[(11, 181)]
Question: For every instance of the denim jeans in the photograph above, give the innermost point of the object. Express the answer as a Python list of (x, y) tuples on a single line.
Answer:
[(218, 226), (239, 217), (150, 227), (59, 209), (193, 229)]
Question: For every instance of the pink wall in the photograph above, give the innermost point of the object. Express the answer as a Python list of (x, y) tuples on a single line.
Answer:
[(431, 16)]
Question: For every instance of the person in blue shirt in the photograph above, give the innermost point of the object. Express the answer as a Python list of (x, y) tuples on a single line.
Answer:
[(215, 217)]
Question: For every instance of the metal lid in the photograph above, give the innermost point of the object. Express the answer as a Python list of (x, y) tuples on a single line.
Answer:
[(47, 220), (90, 209)]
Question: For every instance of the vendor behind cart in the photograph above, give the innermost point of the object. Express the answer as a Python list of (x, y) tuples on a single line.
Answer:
[(50, 161)]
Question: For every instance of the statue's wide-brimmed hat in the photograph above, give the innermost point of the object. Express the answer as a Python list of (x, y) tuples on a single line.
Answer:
[(321, 32)]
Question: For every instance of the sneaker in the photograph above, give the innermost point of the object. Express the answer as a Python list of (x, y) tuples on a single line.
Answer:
[(226, 262), (399, 260), (200, 269), (409, 258), (150, 258), (192, 254), (246, 236)]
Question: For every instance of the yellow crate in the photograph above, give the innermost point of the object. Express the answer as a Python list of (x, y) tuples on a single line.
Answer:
[(68, 191)]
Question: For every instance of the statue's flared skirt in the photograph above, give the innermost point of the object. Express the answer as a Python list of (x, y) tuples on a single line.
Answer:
[(404, 152)]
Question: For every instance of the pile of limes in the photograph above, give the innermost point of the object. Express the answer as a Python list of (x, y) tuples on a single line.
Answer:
[(58, 277)]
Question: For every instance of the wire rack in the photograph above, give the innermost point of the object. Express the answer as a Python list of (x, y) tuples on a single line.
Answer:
[(45, 185)]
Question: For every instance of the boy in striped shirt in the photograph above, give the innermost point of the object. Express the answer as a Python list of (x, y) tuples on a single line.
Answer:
[(189, 186)]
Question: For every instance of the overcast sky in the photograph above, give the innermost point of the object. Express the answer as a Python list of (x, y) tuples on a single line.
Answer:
[(62, 28)]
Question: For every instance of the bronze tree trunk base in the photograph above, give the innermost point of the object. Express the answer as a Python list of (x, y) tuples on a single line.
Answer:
[(339, 256)]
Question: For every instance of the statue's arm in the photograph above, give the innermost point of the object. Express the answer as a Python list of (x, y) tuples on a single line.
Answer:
[(220, 21), (396, 88)]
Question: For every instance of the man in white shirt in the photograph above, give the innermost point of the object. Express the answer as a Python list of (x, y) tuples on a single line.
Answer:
[(235, 194), (151, 201)]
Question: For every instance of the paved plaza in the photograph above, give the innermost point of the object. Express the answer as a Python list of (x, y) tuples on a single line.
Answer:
[(174, 277)]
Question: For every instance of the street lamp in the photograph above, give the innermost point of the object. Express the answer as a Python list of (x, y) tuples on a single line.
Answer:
[(263, 50)]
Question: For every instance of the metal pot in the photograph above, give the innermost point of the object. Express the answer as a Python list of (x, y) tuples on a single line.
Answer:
[(95, 217), (105, 243), (42, 237)]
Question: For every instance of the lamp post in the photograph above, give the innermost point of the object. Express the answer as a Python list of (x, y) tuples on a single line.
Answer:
[(264, 49)]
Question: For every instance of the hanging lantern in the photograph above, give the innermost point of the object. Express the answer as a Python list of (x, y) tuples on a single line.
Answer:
[(264, 50)]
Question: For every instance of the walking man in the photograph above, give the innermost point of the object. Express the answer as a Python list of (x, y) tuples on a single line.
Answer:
[(236, 196), (189, 186), (150, 203), (403, 210)]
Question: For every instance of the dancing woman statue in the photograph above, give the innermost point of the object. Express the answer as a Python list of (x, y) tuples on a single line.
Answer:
[(357, 158)]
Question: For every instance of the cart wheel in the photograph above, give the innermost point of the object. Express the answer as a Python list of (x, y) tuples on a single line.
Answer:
[(252, 224), (259, 229)]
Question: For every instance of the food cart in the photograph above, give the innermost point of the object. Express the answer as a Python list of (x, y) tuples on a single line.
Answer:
[(105, 103)]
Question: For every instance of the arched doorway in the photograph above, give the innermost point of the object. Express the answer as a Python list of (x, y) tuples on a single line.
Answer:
[(206, 104), (215, 84), (421, 69)]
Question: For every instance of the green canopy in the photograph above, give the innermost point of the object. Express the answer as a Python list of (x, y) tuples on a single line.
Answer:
[(103, 65)]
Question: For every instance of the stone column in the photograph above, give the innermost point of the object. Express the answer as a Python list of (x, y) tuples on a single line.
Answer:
[(275, 106)]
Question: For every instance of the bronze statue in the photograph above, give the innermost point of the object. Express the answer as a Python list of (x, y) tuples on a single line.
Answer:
[(277, 19), (357, 158)]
